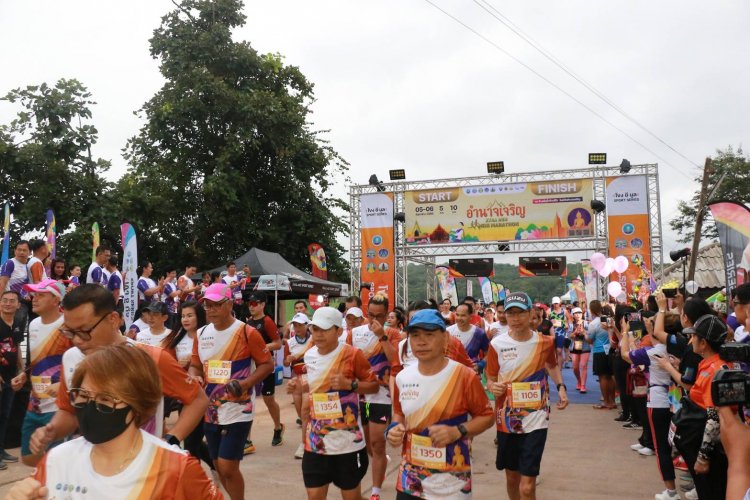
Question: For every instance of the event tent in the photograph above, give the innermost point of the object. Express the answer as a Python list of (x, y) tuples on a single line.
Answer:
[(265, 264)]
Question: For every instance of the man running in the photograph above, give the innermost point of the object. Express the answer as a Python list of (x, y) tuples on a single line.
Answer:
[(517, 369), (474, 319), (295, 348), (353, 318), (500, 326), (265, 325), (334, 439), (91, 322), (47, 347), (474, 339)]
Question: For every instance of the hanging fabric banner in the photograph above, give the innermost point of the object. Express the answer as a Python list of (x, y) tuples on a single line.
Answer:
[(469, 288), (6, 234), (129, 273), (376, 234), (501, 291), (487, 288), (447, 284), (733, 224), (319, 268), (95, 240), (589, 281), (51, 233)]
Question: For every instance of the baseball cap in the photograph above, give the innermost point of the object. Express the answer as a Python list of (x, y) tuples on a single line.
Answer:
[(355, 311), (710, 328), (301, 318), (555, 300), (742, 294), (217, 292), (426, 319), (326, 317), (47, 286), (257, 297), (576, 310), (157, 307), (520, 300)]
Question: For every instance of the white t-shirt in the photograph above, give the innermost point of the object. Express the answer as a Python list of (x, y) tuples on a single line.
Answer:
[(146, 337), (232, 279), (35, 260), (741, 334), (138, 325), (47, 362), (90, 274), (184, 350), (502, 329), (407, 359), (370, 345)]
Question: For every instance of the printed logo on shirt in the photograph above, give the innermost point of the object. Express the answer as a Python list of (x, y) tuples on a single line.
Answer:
[(410, 392), (508, 354)]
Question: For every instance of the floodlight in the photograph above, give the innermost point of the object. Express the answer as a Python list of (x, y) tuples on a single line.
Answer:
[(598, 206), (375, 182), (624, 166), (597, 158), (676, 255), (495, 167), (397, 175)]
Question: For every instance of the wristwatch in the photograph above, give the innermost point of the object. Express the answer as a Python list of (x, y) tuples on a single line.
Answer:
[(384, 338), (562, 385), (464, 432), (355, 385), (169, 438)]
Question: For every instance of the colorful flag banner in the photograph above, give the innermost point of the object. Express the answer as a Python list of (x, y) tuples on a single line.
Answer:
[(486, 285), (129, 273), (495, 291), (733, 224), (376, 235), (95, 240), (501, 291), (580, 291), (6, 234), (447, 284), (51, 233), (319, 270), (590, 281)]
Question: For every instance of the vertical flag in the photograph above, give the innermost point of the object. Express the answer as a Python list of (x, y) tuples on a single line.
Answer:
[(447, 284), (51, 233), (6, 234), (486, 285), (469, 287), (319, 270), (733, 224), (501, 292), (95, 240), (376, 234), (129, 273), (590, 281)]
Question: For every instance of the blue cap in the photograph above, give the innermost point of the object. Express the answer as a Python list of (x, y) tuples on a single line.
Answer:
[(426, 319), (518, 299)]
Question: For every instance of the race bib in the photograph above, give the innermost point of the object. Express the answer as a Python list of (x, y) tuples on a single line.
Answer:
[(423, 454), (557, 323), (578, 345), (526, 395), (327, 406), (219, 372), (40, 384)]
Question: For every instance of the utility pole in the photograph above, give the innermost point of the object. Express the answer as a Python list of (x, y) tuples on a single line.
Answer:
[(699, 220)]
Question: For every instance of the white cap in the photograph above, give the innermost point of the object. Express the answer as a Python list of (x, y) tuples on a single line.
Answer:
[(556, 300), (576, 310), (326, 317), (301, 318), (355, 311)]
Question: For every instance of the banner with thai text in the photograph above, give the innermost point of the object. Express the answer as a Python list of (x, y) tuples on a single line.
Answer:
[(733, 224), (376, 236), (129, 273), (590, 281), (519, 211)]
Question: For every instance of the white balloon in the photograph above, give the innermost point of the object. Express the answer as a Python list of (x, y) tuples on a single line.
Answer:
[(597, 261), (614, 288), (691, 287), (607, 267), (622, 298), (621, 264)]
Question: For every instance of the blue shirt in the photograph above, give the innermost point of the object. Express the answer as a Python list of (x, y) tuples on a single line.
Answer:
[(599, 335)]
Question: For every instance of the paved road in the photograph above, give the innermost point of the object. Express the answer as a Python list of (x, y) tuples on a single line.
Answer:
[(587, 457)]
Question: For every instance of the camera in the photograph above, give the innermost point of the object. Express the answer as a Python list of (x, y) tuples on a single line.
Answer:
[(669, 293), (735, 352), (633, 317), (730, 387)]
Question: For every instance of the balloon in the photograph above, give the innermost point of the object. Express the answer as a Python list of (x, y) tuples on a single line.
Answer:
[(691, 287), (621, 264), (597, 261), (607, 267), (614, 288), (622, 298)]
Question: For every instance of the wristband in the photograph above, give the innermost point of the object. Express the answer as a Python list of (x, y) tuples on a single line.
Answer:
[(388, 429), (562, 385)]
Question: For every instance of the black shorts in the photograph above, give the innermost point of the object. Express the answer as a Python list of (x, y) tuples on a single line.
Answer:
[(344, 471), (521, 453), (601, 364), (269, 385), (377, 413)]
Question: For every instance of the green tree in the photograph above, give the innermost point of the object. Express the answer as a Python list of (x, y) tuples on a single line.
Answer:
[(227, 158), (734, 166), (45, 162)]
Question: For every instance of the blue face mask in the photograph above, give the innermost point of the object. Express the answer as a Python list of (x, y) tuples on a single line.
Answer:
[(97, 427)]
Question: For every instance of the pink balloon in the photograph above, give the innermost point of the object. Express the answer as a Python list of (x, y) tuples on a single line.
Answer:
[(597, 261), (621, 264), (607, 267), (614, 288)]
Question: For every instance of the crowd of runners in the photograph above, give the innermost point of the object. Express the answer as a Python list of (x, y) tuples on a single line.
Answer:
[(368, 382)]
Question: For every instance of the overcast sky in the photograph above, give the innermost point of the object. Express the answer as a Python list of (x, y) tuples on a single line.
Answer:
[(401, 85)]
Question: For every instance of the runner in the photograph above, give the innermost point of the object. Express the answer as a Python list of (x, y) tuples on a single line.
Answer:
[(299, 307), (500, 326), (580, 349), (148, 289), (488, 317), (95, 274), (14, 274), (39, 252), (517, 371), (334, 438), (156, 331), (353, 318), (438, 405), (114, 283), (474, 339), (235, 282), (186, 286), (46, 348), (559, 322), (379, 346), (295, 348), (265, 325), (91, 322), (446, 313), (475, 319), (232, 359), (171, 297)]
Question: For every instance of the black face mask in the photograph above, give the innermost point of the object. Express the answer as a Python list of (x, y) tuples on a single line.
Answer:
[(97, 427)]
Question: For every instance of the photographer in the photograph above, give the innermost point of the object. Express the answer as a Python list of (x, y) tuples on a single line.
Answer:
[(696, 434)]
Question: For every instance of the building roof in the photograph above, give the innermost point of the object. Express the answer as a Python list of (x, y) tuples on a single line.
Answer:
[(709, 268)]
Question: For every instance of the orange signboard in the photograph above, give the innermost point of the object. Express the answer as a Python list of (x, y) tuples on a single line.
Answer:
[(376, 236)]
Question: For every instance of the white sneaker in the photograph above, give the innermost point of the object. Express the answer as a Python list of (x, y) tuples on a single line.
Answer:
[(300, 451), (215, 477), (636, 446), (647, 452), (538, 480), (691, 495), (666, 495)]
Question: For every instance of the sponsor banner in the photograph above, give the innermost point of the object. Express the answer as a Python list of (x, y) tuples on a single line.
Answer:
[(318, 260), (487, 287), (733, 224), (378, 259), (589, 281), (628, 226), (51, 233), (6, 234), (129, 273), (273, 282), (520, 211), (447, 284), (95, 239), (580, 291)]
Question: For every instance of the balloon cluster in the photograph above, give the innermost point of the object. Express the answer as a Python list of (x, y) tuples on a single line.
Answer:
[(607, 265)]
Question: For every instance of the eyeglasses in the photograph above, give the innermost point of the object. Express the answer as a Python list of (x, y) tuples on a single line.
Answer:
[(253, 303), (9, 301), (214, 305), (105, 403), (83, 334)]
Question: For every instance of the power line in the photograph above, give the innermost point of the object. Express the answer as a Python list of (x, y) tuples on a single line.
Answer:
[(539, 48), (553, 84)]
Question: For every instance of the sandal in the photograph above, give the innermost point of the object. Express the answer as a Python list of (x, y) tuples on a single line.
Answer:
[(601, 407)]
